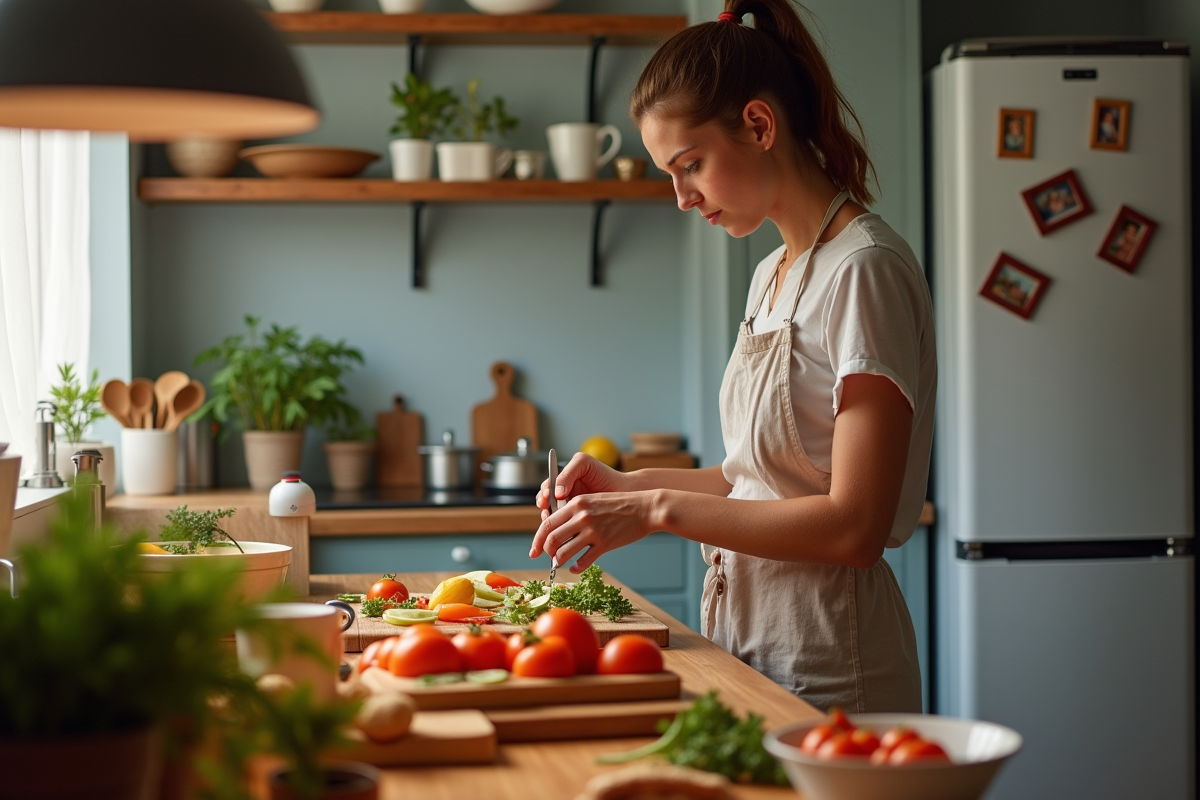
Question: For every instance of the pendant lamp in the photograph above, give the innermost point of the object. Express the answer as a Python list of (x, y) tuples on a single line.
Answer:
[(156, 69)]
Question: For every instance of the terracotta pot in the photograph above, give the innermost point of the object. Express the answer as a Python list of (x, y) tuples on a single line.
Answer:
[(349, 464), (345, 780), (107, 766), (269, 454)]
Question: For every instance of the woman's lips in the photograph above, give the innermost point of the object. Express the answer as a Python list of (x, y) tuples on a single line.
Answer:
[(713, 218)]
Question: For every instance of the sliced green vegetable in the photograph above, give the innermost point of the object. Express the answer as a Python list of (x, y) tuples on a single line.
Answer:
[(441, 680), (488, 676), (482, 590), (409, 616), (351, 597), (482, 603)]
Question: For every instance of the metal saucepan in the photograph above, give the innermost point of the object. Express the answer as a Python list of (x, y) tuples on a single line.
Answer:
[(522, 470), (447, 466)]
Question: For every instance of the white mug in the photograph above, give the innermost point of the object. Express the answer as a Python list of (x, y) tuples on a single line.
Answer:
[(472, 161), (321, 625), (575, 149), (149, 460)]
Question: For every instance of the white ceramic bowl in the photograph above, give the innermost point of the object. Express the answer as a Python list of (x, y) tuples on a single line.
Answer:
[(264, 564), (512, 6), (294, 6), (402, 6), (976, 749)]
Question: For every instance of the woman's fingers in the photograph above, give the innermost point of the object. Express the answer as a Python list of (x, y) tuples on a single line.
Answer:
[(577, 468), (549, 523)]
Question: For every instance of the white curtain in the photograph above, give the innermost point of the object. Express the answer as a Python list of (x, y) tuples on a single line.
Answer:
[(45, 284)]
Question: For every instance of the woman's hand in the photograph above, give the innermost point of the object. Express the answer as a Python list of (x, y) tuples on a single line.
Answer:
[(583, 475), (598, 522)]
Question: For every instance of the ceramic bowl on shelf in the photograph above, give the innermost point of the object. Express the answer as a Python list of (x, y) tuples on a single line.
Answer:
[(512, 6), (977, 750), (308, 160), (402, 6), (203, 157), (295, 6), (655, 442)]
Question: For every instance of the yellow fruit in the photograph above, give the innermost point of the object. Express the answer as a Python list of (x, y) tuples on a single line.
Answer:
[(603, 450), (453, 590), (150, 547)]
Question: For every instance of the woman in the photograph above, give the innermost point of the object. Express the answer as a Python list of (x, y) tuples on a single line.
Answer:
[(827, 402)]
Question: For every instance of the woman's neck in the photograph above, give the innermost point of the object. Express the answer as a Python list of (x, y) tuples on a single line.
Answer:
[(804, 195)]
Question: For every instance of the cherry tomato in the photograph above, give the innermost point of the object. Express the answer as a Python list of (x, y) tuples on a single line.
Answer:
[(368, 656), (579, 633), (918, 751), (552, 657), (383, 655), (515, 644), (840, 745), (892, 739), (839, 720), (415, 656), (816, 737), (498, 581), (461, 612), (629, 654), (388, 588), (866, 741), (480, 649)]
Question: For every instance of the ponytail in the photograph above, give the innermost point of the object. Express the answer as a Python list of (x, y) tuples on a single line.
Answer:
[(710, 71)]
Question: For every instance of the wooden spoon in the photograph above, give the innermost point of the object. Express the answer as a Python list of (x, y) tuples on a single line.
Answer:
[(165, 388), (185, 403), (115, 399), (141, 402)]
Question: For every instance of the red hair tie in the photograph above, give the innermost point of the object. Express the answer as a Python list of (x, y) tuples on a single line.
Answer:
[(729, 16)]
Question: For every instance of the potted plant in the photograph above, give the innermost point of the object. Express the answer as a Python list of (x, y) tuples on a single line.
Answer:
[(349, 449), (77, 407), (424, 113), (475, 159), (273, 387)]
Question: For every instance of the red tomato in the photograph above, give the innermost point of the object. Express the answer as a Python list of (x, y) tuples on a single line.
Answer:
[(579, 633), (839, 720), (388, 588), (890, 741), (422, 629), (629, 654), (840, 745), (383, 656), (423, 602), (462, 612), (550, 658), (498, 581), (368, 656), (480, 649), (816, 737), (866, 741), (918, 751), (424, 655), (515, 644)]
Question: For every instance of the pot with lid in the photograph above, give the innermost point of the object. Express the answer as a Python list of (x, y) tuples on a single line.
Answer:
[(448, 466), (519, 471)]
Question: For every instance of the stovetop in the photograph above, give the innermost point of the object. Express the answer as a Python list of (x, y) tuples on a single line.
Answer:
[(375, 498)]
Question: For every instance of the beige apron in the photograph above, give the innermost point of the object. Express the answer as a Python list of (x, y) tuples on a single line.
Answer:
[(832, 635)]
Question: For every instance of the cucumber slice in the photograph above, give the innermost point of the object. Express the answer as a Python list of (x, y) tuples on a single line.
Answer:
[(483, 603), (478, 576), (538, 602), (486, 592), (488, 676), (441, 679), (409, 616), (352, 597)]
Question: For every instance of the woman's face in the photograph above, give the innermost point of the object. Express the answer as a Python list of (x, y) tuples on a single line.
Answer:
[(728, 178)]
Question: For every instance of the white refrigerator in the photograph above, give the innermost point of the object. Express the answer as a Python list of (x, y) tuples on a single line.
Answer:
[(1061, 274)]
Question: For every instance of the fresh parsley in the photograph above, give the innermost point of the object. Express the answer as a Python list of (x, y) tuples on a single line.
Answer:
[(377, 605), (190, 531), (516, 609), (591, 595)]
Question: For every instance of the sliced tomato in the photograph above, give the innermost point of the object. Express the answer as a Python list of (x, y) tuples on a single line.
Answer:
[(423, 601), (497, 581), (463, 612)]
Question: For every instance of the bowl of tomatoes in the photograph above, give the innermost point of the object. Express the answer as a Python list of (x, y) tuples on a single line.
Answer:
[(892, 756)]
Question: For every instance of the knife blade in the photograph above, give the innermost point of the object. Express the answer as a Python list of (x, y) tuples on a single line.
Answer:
[(552, 505)]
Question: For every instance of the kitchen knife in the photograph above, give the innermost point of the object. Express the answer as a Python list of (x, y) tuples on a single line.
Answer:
[(552, 506)]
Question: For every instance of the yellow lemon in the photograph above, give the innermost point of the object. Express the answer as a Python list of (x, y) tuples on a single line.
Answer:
[(150, 547), (453, 590), (603, 450)]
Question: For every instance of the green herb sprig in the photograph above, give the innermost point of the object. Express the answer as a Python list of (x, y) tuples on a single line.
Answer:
[(516, 609), (196, 529), (76, 406), (591, 595), (377, 605)]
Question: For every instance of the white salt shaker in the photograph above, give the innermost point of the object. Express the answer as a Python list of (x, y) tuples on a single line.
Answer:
[(292, 497)]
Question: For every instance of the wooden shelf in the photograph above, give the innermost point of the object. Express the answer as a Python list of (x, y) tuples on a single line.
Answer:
[(352, 27), (375, 190)]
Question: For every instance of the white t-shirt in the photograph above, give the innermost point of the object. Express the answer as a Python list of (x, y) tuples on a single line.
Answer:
[(866, 309)]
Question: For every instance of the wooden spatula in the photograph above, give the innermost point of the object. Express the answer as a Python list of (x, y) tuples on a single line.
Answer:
[(498, 423)]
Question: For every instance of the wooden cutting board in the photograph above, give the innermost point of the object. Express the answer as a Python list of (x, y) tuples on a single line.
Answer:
[(525, 692), (498, 423), (399, 432), (436, 737), (584, 721)]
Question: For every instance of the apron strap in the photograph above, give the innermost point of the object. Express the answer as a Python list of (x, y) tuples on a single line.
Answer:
[(834, 207)]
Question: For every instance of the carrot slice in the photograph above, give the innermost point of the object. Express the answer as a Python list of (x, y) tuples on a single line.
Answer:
[(497, 581), (458, 612)]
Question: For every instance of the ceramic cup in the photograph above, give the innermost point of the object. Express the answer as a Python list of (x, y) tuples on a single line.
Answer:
[(412, 159), (630, 169), (472, 161), (149, 460), (575, 149), (529, 165), (319, 626)]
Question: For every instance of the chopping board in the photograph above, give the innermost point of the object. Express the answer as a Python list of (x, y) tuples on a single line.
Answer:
[(436, 737), (497, 423), (525, 692), (583, 721), (399, 432)]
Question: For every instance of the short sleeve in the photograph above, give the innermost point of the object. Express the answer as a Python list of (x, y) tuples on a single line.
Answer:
[(873, 320)]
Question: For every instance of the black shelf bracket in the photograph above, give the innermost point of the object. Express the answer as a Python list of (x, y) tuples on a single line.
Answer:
[(414, 46), (597, 264), (597, 43), (418, 257)]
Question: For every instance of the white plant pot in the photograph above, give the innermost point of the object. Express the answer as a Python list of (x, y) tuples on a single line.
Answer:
[(108, 464), (269, 454), (149, 460), (349, 464), (412, 159), (293, 6), (402, 7), (470, 162), (203, 157), (263, 565)]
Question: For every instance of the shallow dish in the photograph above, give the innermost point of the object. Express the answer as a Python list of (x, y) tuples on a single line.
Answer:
[(977, 750), (308, 160), (264, 564), (512, 6), (655, 442)]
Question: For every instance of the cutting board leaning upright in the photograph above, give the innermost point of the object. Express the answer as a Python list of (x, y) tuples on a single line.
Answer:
[(397, 462), (497, 424)]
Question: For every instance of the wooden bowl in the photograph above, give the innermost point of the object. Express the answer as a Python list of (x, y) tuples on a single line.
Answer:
[(308, 160), (655, 442)]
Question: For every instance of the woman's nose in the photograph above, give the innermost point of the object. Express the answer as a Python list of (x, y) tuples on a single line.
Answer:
[(687, 198)]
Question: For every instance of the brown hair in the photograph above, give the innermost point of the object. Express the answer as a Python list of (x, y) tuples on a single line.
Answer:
[(709, 72)]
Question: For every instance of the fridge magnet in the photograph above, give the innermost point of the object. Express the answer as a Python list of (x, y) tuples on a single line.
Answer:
[(1015, 286), (1110, 124), (1127, 238), (1057, 202), (1015, 139)]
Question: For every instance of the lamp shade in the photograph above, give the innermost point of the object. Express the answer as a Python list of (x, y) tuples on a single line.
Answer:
[(155, 69)]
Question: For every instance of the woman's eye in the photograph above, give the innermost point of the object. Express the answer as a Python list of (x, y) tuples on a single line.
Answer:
[(692, 168)]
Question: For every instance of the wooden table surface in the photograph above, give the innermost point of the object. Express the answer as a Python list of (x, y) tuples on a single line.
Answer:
[(559, 770)]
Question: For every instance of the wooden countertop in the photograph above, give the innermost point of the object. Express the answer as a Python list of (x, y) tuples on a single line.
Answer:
[(560, 769)]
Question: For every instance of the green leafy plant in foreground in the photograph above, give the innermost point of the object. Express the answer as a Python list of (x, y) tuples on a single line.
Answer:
[(196, 529), (425, 112), (76, 406)]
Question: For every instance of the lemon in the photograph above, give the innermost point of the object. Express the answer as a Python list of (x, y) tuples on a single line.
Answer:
[(453, 590), (409, 616), (603, 450), (150, 547)]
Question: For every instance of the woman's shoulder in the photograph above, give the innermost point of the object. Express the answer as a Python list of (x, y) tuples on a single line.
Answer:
[(868, 239)]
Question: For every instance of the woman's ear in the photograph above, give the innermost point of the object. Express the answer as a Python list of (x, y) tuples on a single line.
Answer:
[(759, 121)]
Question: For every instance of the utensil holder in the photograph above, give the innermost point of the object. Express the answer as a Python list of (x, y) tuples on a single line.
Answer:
[(149, 460), (197, 455)]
